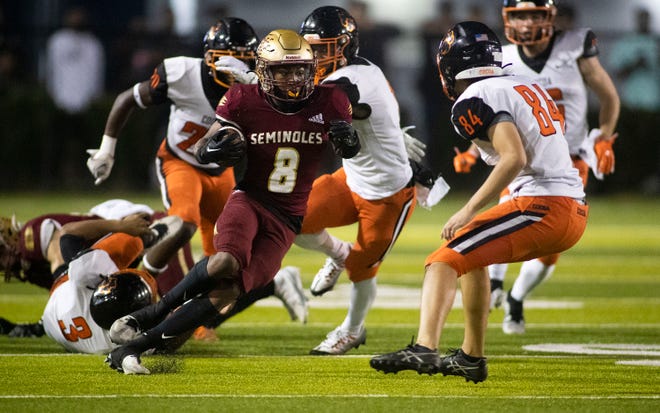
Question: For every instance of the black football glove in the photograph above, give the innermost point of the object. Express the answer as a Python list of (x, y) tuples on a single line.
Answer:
[(344, 139), (422, 174), (6, 326), (27, 330), (225, 147)]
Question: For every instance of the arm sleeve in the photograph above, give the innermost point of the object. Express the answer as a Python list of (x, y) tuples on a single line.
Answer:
[(71, 245), (472, 117), (343, 105), (225, 111), (360, 110), (158, 85)]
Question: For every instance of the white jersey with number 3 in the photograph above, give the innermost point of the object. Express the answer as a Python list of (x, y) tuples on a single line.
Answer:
[(562, 78), (67, 318), (549, 170)]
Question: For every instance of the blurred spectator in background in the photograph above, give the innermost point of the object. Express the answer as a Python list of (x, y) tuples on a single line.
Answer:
[(8, 66), (132, 56), (7, 56), (635, 61), (565, 19), (75, 64), (140, 48), (74, 77), (374, 37), (437, 107), (168, 41)]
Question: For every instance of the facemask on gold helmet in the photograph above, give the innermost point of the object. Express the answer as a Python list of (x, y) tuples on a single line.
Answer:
[(286, 66), (528, 22)]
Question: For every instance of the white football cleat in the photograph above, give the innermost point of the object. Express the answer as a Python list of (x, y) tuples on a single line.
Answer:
[(289, 289), (131, 365), (497, 297), (124, 330), (339, 342), (126, 361), (511, 326), (327, 277), (162, 229)]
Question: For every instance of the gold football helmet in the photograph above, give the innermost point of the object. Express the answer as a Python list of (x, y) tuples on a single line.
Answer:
[(286, 66), (528, 22)]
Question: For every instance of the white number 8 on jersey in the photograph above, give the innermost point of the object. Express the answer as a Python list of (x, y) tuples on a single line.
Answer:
[(285, 173)]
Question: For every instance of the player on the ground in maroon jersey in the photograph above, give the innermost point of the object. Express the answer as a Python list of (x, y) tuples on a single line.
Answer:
[(282, 126), (31, 252)]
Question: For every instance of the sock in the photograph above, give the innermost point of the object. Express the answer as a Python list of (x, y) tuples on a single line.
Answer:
[(323, 242), (532, 273), (244, 301), (196, 282), (192, 314), (151, 269), (363, 294), (470, 358), (495, 284), (497, 271)]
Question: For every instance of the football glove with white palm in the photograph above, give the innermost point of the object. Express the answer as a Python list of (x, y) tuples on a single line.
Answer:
[(101, 160), (237, 68), (415, 148)]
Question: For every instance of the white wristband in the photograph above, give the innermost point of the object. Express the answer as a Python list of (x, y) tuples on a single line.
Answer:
[(137, 97), (108, 144)]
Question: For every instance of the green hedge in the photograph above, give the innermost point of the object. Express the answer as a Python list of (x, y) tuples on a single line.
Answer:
[(44, 148)]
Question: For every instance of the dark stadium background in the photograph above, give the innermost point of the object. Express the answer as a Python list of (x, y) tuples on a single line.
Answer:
[(28, 119)]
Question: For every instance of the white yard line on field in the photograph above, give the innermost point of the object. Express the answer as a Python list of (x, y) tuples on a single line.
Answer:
[(390, 296), (327, 396)]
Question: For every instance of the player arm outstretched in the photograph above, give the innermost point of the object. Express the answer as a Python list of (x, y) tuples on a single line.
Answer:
[(76, 235), (101, 160)]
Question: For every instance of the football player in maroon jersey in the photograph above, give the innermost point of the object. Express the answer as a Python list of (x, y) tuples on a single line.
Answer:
[(281, 126)]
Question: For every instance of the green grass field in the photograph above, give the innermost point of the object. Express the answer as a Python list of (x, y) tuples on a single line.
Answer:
[(592, 342)]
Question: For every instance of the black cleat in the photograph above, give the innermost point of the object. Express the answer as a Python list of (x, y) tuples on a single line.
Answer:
[(414, 357), (455, 364), (161, 229)]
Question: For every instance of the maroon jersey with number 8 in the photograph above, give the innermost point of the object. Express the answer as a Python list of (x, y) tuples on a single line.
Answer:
[(284, 150)]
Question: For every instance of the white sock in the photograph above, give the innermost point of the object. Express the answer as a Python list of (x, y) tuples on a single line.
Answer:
[(497, 271), (151, 269), (323, 242), (363, 294), (532, 273)]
